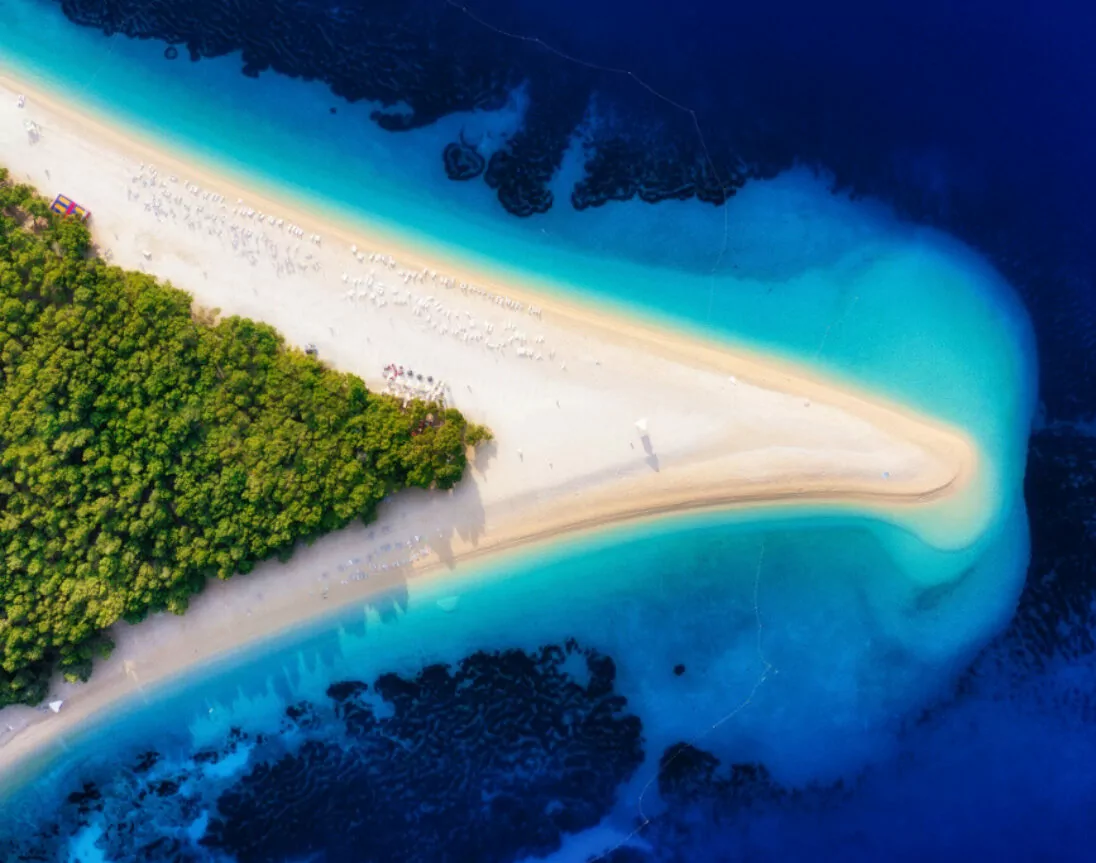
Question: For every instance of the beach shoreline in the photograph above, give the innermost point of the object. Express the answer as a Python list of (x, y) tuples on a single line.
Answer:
[(598, 316), (727, 428), (117, 686)]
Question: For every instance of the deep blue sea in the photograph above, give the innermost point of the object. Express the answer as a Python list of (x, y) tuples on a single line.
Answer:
[(895, 194)]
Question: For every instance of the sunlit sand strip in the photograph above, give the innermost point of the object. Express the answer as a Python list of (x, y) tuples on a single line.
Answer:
[(599, 418)]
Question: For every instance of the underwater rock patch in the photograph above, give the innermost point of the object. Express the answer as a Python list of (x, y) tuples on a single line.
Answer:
[(708, 807), (653, 169), (422, 64), (462, 162), (493, 759), (490, 761), (687, 775)]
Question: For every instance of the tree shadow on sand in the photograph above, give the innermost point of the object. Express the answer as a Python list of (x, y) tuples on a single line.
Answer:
[(485, 452), (441, 519)]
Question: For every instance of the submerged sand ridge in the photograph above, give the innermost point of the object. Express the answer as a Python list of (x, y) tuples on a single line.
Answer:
[(598, 418)]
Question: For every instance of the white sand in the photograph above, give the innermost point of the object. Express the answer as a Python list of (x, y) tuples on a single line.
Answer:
[(568, 454)]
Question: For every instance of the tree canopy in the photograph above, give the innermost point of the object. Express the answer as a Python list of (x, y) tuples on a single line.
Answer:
[(144, 448)]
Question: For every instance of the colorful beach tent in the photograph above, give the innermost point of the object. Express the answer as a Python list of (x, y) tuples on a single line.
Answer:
[(65, 206)]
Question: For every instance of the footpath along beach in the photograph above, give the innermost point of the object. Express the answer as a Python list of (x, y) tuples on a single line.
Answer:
[(597, 418)]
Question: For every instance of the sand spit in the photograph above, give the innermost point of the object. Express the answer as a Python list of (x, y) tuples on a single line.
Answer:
[(598, 418)]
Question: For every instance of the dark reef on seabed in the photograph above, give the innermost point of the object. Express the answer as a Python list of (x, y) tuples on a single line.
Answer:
[(422, 61), (493, 760)]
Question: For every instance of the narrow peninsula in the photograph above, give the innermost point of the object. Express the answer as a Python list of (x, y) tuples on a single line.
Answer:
[(147, 449)]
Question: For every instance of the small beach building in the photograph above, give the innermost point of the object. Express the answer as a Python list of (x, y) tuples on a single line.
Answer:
[(65, 206)]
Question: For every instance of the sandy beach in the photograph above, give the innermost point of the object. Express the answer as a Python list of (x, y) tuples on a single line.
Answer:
[(598, 419)]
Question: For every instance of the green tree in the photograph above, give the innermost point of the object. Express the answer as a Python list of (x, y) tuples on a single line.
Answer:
[(146, 446)]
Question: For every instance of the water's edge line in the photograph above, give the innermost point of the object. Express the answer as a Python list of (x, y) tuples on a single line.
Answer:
[(27, 755), (576, 305)]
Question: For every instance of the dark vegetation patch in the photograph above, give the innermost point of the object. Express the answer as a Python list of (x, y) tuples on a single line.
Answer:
[(145, 448)]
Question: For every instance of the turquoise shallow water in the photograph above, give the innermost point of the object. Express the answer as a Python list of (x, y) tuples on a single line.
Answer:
[(801, 648), (809, 638)]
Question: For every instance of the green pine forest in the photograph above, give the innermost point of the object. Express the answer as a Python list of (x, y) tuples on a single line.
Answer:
[(146, 447)]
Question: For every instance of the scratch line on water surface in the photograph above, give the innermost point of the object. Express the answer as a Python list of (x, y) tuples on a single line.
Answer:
[(835, 322)]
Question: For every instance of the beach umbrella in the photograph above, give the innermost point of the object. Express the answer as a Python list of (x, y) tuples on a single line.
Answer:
[(55, 706), (641, 424)]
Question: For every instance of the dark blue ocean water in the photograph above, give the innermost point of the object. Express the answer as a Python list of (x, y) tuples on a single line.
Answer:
[(975, 118)]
